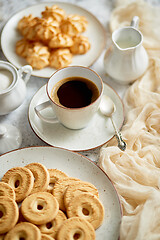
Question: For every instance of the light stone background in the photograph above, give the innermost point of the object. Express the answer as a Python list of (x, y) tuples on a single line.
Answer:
[(19, 118)]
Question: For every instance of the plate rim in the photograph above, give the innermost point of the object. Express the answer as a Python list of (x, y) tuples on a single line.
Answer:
[(103, 44), (73, 150)]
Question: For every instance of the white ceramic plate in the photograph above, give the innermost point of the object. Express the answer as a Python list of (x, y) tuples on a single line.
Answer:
[(97, 133), (95, 32), (75, 165)]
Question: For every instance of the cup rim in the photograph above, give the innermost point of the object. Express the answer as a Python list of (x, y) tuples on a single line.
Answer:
[(127, 27), (3, 65), (74, 109)]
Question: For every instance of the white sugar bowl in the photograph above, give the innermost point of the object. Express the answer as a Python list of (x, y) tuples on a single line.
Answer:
[(12, 86)]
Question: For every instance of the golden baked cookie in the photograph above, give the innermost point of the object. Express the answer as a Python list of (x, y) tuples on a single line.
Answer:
[(38, 56), (24, 231), (78, 188), (55, 12), (41, 176), (46, 237), (87, 206), (46, 29), (52, 227), (54, 175), (60, 58), (76, 228), (21, 218), (39, 208), (60, 188), (26, 26), (21, 180), (81, 45), (2, 237), (7, 190), (25, 22), (8, 214), (22, 47), (60, 40), (74, 24)]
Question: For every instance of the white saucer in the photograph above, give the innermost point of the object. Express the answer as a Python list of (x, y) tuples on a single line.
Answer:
[(97, 133)]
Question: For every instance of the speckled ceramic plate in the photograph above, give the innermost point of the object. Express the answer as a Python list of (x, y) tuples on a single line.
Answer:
[(74, 165), (97, 133), (95, 32)]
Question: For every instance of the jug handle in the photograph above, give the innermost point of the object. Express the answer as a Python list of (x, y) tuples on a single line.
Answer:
[(28, 70), (135, 22)]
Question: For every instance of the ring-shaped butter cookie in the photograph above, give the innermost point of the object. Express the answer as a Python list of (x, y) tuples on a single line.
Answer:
[(8, 214), (52, 227), (41, 176), (78, 188), (39, 208), (87, 206), (76, 228), (55, 175), (7, 190), (21, 180), (25, 231), (60, 188)]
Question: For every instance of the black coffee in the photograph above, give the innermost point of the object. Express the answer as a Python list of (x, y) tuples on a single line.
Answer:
[(75, 92)]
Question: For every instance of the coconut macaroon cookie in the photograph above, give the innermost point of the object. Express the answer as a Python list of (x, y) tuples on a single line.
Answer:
[(55, 175), (8, 214), (60, 40), (81, 45), (26, 26), (74, 24), (87, 206), (41, 176), (7, 190), (76, 228), (24, 231), (21, 180), (46, 29), (59, 58), (38, 56), (22, 47), (55, 12), (40, 208)]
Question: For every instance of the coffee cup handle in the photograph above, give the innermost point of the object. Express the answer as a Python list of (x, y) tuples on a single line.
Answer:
[(41, 107)]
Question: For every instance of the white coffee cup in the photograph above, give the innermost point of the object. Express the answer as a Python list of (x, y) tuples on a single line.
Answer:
[(73, 118)]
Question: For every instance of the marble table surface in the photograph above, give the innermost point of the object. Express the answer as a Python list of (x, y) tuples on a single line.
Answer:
[(19, 118)]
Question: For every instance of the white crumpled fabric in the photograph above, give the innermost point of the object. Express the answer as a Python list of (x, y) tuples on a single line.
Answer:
[(136, 171)]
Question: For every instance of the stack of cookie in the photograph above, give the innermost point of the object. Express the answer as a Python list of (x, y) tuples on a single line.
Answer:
[(52, 39), (40, 203)]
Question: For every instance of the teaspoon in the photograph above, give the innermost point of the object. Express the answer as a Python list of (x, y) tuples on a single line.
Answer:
[(107, 108)]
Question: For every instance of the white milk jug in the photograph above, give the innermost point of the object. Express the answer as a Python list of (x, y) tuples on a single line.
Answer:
[(126, 59)]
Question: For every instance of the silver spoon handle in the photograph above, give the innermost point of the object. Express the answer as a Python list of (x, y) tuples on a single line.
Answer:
[(121, 142)]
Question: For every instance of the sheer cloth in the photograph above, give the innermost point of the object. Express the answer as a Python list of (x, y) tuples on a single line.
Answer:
[(136, 172)]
